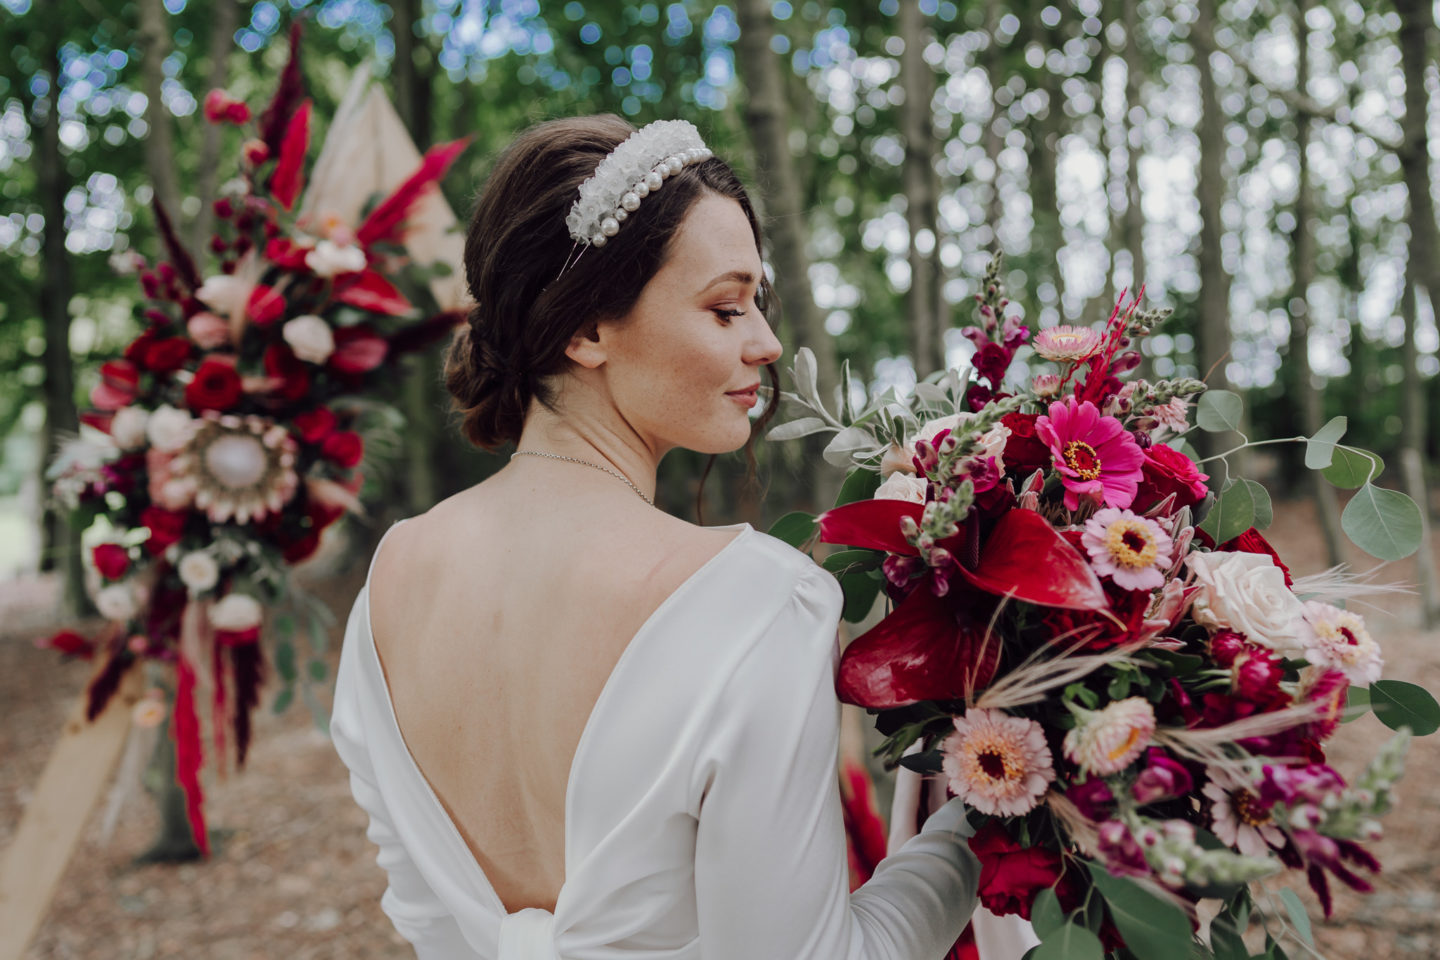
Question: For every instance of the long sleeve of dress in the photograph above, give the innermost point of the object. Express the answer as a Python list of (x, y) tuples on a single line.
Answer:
[(771, 881)]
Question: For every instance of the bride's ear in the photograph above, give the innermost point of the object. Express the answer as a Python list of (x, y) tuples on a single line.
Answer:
[(587, 347)]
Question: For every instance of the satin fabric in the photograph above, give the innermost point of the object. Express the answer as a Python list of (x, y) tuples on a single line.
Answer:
[(702, 810)]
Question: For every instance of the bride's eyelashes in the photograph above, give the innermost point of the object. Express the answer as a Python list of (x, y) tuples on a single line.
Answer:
[(726, 316)]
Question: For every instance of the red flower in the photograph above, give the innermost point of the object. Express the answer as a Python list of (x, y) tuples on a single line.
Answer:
[(166, 355), (1252, 542), (265, 305), (1093, 454), (1092, 798), (135, 352), (1010, 875), (1024, 452), (315, 425), (284, 252), (118, 386), (216, 386), (1329, 693), (358, 349), (220, 107), (69, 643), (112, 560), (166, 527), (281, 362), (344, 448), (256, 152), (1168, 471)]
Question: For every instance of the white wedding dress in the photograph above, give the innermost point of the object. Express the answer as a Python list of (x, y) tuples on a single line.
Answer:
[(702, 810)]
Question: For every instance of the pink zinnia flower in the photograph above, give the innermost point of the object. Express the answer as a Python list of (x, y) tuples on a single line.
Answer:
[(997, 763), (1109, 740), (1066, 343), (1132, 551), (1093, 454)]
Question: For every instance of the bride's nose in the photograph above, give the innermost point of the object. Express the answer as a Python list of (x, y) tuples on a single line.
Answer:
[(763, 347)]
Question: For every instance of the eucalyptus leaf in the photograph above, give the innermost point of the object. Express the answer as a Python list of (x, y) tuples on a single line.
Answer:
[(1243, 505), (1357, 703), (1320, 449), (796, 429), (1351, 467), (1400, 704), (1218, 411), (283, 699), (1152, 927), (793, 528), (1298, 916), (843, 444), (285, 660), (853, 561), (1046, 916), (318, 670), (1071, 942), (860, 484), (860, 590), (1384, 523)]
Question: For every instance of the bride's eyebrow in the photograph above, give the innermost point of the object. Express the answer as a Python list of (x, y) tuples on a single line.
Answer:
[(743, 276)]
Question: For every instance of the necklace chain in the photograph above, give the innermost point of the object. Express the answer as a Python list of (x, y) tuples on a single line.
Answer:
[(613, 473)]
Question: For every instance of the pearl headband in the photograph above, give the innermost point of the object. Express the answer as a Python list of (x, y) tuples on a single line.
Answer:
[(629, 173)]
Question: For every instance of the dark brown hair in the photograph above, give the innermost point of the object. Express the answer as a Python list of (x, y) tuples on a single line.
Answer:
[(526, 310)]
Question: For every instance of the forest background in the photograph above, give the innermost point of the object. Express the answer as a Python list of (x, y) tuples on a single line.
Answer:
[(1265, 168)]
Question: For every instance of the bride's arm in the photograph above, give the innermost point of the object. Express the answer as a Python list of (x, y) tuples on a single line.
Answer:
[(771, 879)]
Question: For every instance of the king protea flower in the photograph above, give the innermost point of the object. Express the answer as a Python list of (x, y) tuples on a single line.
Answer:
[(997, 763), (1066, 344), (1092, 454), (1132, 551)]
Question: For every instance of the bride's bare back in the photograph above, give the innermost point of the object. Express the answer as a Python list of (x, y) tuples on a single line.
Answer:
[(498, 622)]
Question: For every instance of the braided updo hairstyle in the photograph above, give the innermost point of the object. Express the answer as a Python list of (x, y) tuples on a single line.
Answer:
[(526, 311)]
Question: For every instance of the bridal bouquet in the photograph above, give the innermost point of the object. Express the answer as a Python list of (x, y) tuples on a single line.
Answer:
[(231, 432), (1106, 661)]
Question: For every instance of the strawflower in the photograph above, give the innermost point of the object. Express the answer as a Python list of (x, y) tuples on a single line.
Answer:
[(1109, 740), (997, 763), (1066, 343), (1340, 640)]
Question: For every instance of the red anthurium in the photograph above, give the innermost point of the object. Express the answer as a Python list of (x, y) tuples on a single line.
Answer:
[(112, 560), (387, 220), (69, 643), (369, 290), (873, 524), (1027, 559), (265, 305), (285, 181), (358, 349), (922, 651)]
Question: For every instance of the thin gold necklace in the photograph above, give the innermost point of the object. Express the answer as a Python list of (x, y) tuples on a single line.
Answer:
[(556, 456)]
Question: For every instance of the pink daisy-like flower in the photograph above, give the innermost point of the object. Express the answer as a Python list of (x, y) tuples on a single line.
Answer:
[(1340, 640), (1066, 344), (1173, 415), (1239, 817), (1109, 740), (997, 763), (1093, 454), (1132, 551)]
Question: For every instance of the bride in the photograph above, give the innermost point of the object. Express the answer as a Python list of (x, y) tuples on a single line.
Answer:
[(584, 729)]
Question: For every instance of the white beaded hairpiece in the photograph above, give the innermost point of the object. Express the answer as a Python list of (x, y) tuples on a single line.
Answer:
[(629, 173)]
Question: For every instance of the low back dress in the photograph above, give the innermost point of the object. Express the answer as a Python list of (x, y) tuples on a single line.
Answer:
[(702, 810)]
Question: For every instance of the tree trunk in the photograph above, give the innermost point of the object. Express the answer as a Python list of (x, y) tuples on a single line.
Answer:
[(1212, 334), (994, 70), (1305, 412), (767, 118), (1416, 26), (60, 541), (920, 200), (419, 384), (153, 39), (1045, 134), (222, 40), (1134, 213)]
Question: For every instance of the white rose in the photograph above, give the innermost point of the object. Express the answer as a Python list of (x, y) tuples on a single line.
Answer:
[(116, 602), (310, 337), (128, 427), (902, 486), (932, 429), (198, 570), (897, 459), (236, 611), (169, 429), (330, 259), (1246, 592), (226, 293)]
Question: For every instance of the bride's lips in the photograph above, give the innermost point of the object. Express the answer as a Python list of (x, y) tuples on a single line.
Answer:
[(747, 397)]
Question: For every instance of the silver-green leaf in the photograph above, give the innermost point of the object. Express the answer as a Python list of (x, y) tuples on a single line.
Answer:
[(1218, 411), (1320, 449), (1384, 523)]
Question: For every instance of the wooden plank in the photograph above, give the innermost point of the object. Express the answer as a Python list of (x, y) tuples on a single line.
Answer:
[(58, 812)]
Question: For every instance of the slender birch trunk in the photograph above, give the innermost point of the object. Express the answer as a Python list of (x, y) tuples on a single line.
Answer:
[(920, 198), (153, 39), (224, 14)]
